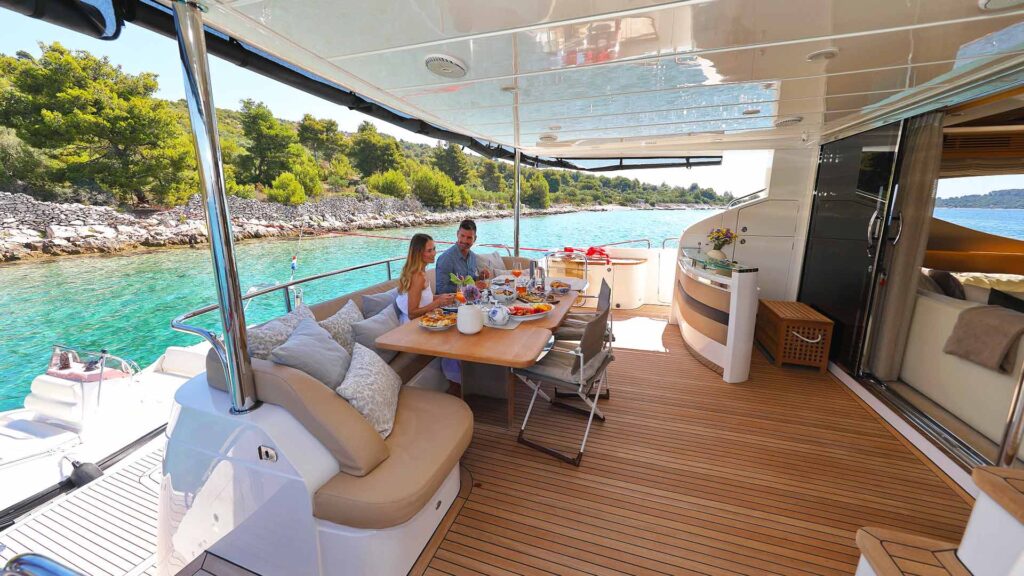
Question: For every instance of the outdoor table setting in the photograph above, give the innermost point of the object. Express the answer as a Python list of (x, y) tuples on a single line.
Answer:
[(499, 326)]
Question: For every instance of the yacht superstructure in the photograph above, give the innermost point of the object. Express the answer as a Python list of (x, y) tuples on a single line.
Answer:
[(865, 105)]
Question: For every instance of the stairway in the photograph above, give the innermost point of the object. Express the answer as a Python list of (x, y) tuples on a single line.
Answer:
[(992, 545)]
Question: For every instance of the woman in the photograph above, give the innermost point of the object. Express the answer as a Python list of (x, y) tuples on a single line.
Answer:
[(415, 298)]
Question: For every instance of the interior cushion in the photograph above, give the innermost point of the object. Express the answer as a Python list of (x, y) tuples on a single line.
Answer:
[(373, 304), (339, 325), (372, 387), (431, 432), (311, 349), (491, 261), (367, 331), (926, 283), (948, 283), (356, 446), (1000, 298), (264, 338)]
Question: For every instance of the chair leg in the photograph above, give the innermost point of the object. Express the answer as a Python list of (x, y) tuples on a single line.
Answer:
[(574, 460)]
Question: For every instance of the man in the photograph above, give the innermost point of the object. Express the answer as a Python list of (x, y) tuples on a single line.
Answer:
[(459, 259)]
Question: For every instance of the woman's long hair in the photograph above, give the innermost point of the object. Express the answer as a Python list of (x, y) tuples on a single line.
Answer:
[(414, 261)]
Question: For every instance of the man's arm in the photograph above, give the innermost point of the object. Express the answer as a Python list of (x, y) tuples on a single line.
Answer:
[(442, 270)]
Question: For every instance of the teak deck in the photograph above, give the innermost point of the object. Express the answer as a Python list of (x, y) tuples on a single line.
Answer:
[(690, 475)]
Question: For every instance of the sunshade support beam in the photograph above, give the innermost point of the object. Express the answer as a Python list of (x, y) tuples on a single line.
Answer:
[(518, 204), (234, 351)]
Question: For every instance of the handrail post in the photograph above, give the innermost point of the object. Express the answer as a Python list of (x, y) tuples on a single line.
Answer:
[(1010, 445), (518, 203), (188, 24)]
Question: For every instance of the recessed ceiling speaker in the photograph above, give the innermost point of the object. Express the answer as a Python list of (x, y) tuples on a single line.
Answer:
[(547, 138), (751, 111), (826, 54), (788, 121), (445, 66)]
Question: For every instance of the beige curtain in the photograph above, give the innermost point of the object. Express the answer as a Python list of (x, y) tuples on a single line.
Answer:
[(921, 151)]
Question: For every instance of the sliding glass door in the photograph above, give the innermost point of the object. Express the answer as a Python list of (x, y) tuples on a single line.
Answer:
[(854, 184)]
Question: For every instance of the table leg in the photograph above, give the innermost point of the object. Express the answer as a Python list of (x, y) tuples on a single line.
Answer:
[(510, 392)]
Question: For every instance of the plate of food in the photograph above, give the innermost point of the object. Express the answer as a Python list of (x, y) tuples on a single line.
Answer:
[(531, 312), (531, 298), (559, 287), (503, 295), (437, 320)]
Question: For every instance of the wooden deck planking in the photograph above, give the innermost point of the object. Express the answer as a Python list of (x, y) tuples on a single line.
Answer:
[(690, 475), (107, 527)]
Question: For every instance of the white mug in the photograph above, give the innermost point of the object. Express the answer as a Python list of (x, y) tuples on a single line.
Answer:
[(470, 319)]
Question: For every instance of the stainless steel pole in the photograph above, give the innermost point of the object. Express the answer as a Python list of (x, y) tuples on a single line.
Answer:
[(1014, 426), (515, 213), (188, 23)]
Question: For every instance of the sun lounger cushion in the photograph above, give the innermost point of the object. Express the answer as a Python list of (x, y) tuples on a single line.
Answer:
[(431, 431), (352, 441), (339, 325), (311, 349), (371, 387), (265, 337)]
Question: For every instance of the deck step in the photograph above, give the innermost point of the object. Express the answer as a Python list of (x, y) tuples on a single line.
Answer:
[(886, 552), (993, 544)]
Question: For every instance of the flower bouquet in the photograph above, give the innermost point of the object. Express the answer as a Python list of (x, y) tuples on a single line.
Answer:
[(720, 238), (466, 291)]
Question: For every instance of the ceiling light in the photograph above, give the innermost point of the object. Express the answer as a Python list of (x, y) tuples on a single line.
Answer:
[(751, 111), (788, 121), (445, 66), (547, 138), (648, 142), (998, 4), (509, 89), (826, 54)]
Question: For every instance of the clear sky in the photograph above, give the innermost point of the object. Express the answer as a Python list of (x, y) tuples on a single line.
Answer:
[(139, 50)]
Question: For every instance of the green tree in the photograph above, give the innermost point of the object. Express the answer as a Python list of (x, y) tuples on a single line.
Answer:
[(286, 190), (372, 152), (19, 161), (267, 154), (321, 137), (305, 169), (97, 123), (340, 171), (450, 159), (535, 191), (491, 178), (390, 183), (436, 190)]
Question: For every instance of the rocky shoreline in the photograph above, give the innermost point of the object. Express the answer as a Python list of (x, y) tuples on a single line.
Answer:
[(30, 228)]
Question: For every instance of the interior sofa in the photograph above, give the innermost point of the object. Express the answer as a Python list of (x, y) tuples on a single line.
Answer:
[(977, 396), (382, 482)]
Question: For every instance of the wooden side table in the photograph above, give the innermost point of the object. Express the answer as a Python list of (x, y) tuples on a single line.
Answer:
[(793, 333)]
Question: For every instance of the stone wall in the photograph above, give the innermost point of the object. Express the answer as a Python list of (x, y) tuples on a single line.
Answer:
[(30, 228)]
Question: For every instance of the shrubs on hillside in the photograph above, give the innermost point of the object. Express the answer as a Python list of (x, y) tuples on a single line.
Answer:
[(436, 190), (390, 183), (286, 190)]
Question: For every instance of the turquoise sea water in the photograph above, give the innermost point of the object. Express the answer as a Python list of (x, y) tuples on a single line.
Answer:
[(125, 303)]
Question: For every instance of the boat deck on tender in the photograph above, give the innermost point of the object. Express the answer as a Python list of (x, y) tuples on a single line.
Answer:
[(690, 475)]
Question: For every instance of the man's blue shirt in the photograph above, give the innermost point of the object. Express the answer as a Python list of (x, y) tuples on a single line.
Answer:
[(451, 260)]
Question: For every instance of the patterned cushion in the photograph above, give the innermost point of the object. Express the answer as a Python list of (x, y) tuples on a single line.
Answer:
[(374, 303), (265, 337), (367, 331), (311, 349), (340, 325), (372, 387)]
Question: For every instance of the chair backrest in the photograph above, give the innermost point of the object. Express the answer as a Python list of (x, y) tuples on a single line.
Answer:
[(604, 297), (593, 340)]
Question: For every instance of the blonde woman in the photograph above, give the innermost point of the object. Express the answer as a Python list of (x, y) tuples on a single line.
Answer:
[(415, 298)]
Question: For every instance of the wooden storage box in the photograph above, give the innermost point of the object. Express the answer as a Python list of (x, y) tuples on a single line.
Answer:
[(793, 333)]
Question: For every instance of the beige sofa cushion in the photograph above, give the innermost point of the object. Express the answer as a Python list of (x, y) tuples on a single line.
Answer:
[(431, 432), (338, 426)]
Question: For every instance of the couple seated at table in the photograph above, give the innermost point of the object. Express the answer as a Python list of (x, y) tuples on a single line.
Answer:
[(415, 297)]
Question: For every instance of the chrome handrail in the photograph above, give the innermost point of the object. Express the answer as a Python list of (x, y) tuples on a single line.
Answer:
[(179, 322), (670, 239), (744, 199), (647, 240), (31, 564)]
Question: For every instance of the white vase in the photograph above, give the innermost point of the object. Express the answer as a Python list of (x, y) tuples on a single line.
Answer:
[(470, 319), (717, 255)]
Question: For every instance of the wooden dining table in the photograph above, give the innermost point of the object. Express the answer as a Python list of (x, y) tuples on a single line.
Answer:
[(516, 348)]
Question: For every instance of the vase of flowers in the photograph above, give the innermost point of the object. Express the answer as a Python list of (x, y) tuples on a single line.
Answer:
[(720, 238), (466, 289)]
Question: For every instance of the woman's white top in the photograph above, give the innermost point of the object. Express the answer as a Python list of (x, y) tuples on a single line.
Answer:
[(402, 301)]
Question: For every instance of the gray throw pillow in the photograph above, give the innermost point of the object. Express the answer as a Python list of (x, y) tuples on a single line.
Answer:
[(311, 349), (372, 388), (367, 331), (949, 284), (265, 337), (374, 303), (340, 324)]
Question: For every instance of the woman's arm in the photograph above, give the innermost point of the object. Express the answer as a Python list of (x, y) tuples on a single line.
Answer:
[(417, 308)]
